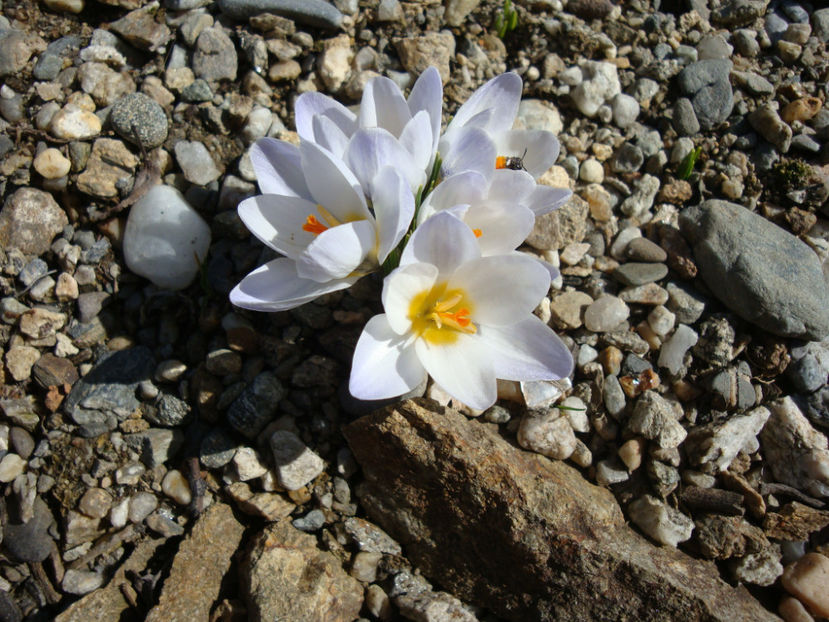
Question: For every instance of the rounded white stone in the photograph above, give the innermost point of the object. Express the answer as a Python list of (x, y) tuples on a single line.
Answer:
[(591, 171), (176, 486), (605, 314), (165, 239), (74, 123), (51, 164)]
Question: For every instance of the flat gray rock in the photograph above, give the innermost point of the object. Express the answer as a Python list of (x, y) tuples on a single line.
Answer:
[(310, 12), (761, 272)]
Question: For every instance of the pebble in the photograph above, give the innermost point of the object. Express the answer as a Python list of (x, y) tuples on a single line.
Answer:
[(760, 271), (214, 57), (311, 522), (567, 309), (295, 464), (625, 110), (163, 238), (51, 164), (95, 503), (591, 171), (795, 452), (628, 158), (311, 12), (654, 418), (792, 610), (217, 449), (635, 273), (11, 465), (138, 119), (760, 568), (547, 434), (142, 504), (770, 126), (248, 464), (605, 314), (807, 579), (600, 84), (129, 474), (81, 582), (176, 486), (641, 200), (659, 521), (706, 83), (609, 472), (672, 354), (29, 220), (718, 443), (642, 249), (196, 162)]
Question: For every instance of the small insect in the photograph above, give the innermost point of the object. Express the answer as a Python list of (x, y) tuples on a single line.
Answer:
[(514, 163)]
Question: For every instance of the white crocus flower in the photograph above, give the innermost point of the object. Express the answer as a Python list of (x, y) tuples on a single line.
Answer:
[(314, 211), (414, 122), (464, 319), (497, 210), (492, 109)]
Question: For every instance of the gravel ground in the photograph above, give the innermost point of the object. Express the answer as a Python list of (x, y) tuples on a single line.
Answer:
[(163, 454)]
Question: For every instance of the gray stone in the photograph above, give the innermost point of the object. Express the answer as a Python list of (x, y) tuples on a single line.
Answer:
[(169, 411), (685, 303), (770, 126), (707, 85), (156, 445), (761, 272), (16, 47), (141, 28), (217, 449), (29, 220), (256, 406), (738, 12), (106, 395), (418, 462), (197, 92), (660, 521), (685, 120), (627, 159), (29, 541), (820, 24), (139, 119), (196, 162), (635, 273), (215, 56), (311, 12)]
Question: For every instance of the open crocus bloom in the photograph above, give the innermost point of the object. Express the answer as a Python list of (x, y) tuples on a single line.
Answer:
[(464, 319), (492, 109), (314, 211), (415, 122)]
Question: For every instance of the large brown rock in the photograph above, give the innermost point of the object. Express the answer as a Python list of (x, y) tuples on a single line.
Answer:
[(526, 537), (286, 577), (199, 567)]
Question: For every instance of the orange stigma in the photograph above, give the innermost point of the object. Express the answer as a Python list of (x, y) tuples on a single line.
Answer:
[(312, 225), (501, 162), (478, 233)]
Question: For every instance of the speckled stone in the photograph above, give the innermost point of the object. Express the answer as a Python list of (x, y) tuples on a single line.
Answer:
[(140, 120)]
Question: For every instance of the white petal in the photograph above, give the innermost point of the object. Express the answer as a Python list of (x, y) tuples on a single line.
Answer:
[(331, 184), (443, 241), (337, 252), (541, 148), (383, 106), (466, 188), (500, 228), (308, 105), (503, 289), (472, 150), (329, 135), (400, 287), (416, 137), (545, 199), (373, 148), (502, 94), (508, 186), (394, 206), (464, 369), (427, 94), (278, 168), (277, 221), (276, 287), (383, 366), (529, 350)]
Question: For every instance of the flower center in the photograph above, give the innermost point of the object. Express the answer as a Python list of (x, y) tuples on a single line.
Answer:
[(439, 316), (478, 233), (515, 163), (312, 225)]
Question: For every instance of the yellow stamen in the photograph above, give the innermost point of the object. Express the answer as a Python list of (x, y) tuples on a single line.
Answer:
[(439, 316), (478, 233), (501, 162)]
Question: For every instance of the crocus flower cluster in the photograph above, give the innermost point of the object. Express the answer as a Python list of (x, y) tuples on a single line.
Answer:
[(442, 214)]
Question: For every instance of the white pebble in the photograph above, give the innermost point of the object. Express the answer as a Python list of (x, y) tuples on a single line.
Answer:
[(547, 434), (673, 350), (165, 238), (176, 486), (605, 314), (660, 521), (295, 464)]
